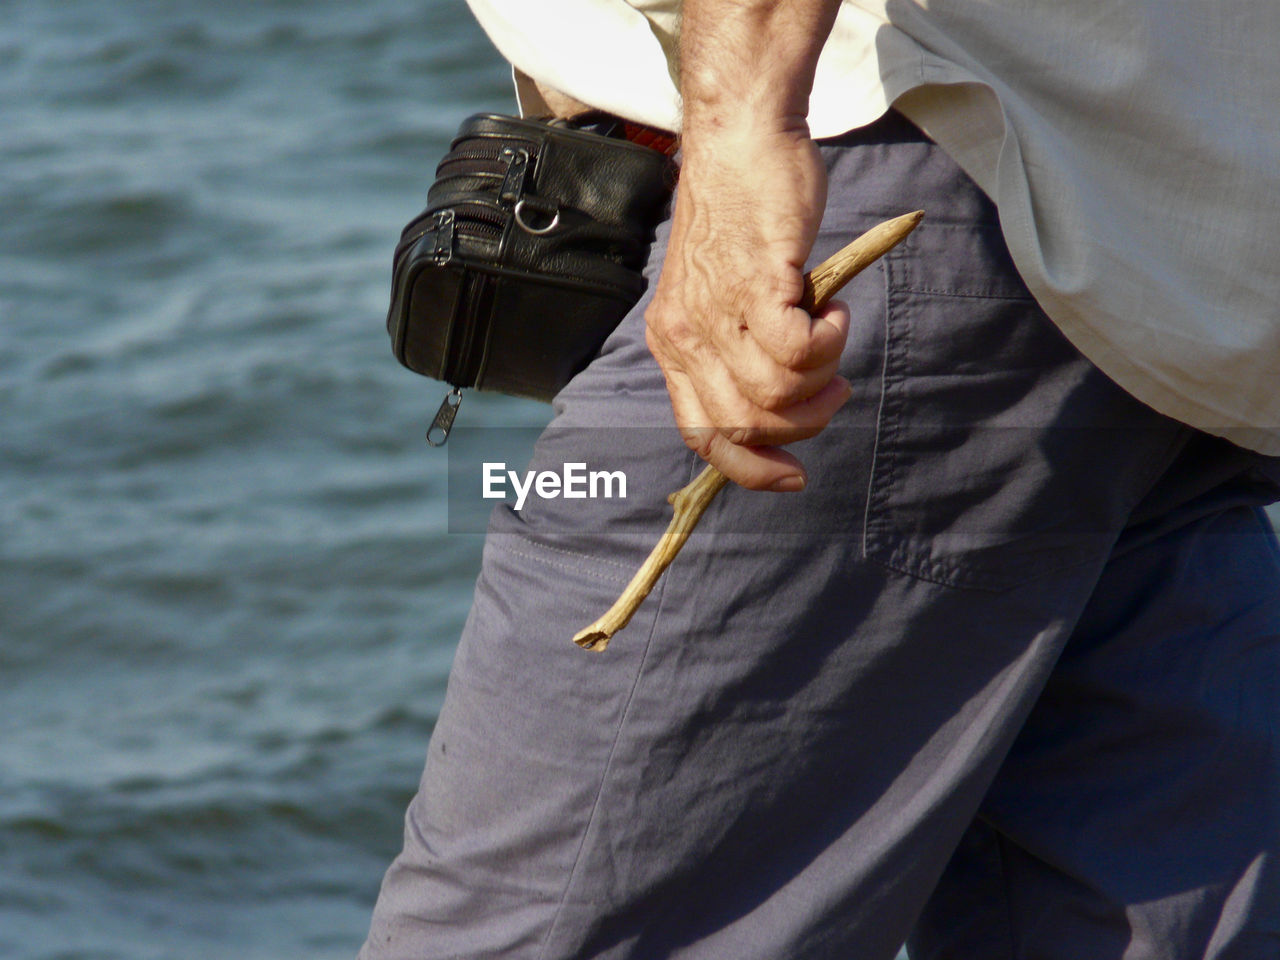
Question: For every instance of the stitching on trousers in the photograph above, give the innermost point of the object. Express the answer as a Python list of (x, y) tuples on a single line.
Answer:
[(581, 556), (975, 294), (884, 457), (875, 447), (564, 566)]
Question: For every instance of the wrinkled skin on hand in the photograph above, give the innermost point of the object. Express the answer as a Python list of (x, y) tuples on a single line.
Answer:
[(746, 367)]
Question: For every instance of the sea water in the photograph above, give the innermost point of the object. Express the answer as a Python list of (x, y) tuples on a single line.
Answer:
[(228, 597)]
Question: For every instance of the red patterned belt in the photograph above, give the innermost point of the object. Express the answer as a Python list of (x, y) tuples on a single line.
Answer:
[(609, 125), (650, 137)]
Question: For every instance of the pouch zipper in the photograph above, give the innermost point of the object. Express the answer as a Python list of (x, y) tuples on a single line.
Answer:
[(480, 158), (462, 364), (469, 217)]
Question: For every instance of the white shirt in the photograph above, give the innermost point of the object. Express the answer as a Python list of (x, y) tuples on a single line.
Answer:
[(1132, 147)]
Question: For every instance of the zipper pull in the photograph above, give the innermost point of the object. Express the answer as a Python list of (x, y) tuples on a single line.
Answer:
[(512, 189), (442, 237), (443, 422)]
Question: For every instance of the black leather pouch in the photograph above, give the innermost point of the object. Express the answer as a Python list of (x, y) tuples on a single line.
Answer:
[(528, 254)]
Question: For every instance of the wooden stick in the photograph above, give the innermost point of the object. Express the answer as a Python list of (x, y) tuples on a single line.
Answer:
[(820, 285)]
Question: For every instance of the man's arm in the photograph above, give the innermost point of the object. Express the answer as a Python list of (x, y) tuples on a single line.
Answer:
[(745, 366)]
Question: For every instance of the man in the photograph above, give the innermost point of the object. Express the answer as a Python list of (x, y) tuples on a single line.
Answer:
[(1002, 681)]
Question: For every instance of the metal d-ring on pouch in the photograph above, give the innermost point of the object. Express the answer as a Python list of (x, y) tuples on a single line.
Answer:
[(519, 213), (528, 254)]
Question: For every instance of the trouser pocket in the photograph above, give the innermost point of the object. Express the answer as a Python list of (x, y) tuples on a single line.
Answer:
[(1002, 454)]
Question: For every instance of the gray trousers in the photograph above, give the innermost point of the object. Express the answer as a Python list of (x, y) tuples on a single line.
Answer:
[(1003, 682)]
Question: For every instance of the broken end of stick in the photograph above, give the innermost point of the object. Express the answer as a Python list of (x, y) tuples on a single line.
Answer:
[(593, 638)]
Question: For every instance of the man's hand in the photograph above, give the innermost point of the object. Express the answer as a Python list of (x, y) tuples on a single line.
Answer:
[(746, 367)]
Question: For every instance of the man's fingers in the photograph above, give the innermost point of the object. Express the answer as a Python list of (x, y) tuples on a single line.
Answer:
[(746, 449), (795, 340), (742, 421), (722, 405), (756, 468), (774, 375), (765, 385), (754, 373)]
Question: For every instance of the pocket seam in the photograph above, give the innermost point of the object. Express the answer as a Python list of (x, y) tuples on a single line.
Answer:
[(992, 294)]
